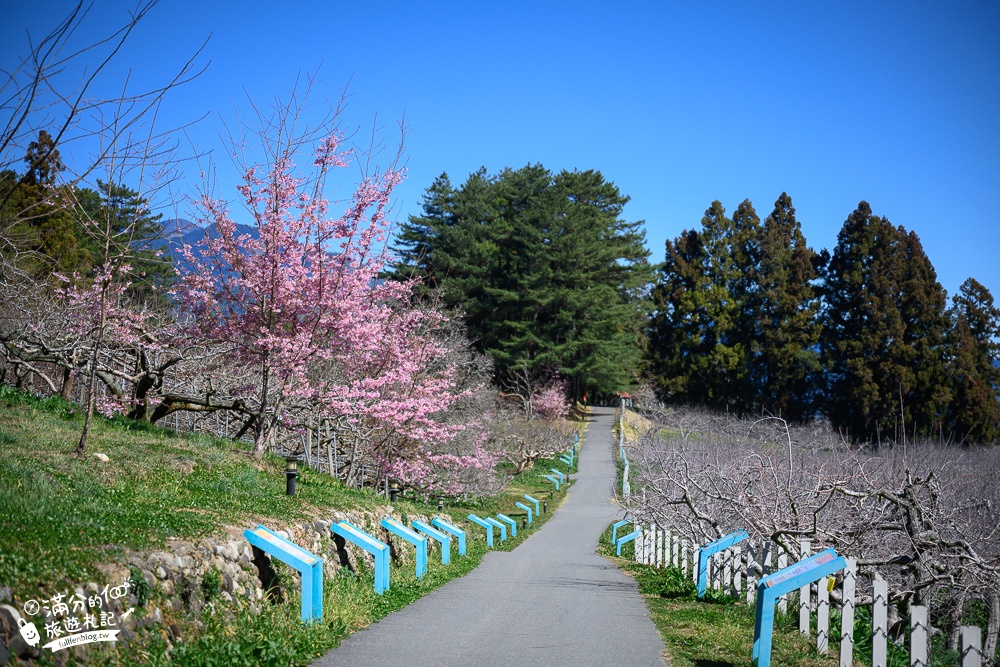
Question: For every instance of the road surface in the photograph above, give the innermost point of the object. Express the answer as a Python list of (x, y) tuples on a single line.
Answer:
[(551, 601)]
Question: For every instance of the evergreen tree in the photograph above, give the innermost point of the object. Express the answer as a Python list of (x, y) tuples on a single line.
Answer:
[(120, 216), (526, 255), (676, 327), (702, 344), (36, 216), (923, 308), (883, 333), (422, 243), (595, 305), (43, 160), (781, 308), (974, 366)]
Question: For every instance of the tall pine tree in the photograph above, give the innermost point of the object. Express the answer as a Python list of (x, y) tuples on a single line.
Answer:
[(974, 366), (883, 337), (781, 308), (547, 274), (36, 217), (676, 338), (700, 343)]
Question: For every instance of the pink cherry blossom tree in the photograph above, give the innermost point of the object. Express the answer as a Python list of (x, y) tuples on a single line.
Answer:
[(551, 402), (300, 300)]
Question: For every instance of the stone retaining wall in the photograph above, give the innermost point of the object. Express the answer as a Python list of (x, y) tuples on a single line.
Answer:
[(175, 575)]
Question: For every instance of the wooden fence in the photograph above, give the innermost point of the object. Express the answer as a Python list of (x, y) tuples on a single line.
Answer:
[(735, 571)]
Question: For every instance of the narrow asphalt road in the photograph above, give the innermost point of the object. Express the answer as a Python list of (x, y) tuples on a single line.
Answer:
[(551, 601)]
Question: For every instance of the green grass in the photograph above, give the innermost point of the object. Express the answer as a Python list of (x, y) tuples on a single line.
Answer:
[(62, 517), (713, 632)]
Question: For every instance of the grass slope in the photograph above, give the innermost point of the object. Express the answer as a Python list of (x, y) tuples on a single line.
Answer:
[(715, 632), (62, 517)]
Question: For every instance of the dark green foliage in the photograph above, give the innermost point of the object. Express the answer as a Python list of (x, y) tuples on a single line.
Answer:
[(781, 307), (733, 325), (65, 230), (547, 275), (973, 368), (139, 586), (676, 338), (694, 343), (211, 585), (36, 221), (748, 319), (115, 221), (884, 332)]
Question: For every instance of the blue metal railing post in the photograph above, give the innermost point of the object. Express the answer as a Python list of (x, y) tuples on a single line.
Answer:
[(440, 536), (418, 541), (454, 531)]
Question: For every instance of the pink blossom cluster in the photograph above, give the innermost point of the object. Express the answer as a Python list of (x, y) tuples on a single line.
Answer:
[(444, 474), (99, 311), (552, 402), (301, 302)]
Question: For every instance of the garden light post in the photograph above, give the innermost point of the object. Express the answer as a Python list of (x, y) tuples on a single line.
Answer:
[(291, 472)]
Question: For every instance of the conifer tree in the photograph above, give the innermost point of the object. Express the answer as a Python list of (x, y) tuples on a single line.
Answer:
[(526, 255), (974, 366), (883, 333), (42, 234), (700, 299), (123, 214), (676, 325), (782, 308)]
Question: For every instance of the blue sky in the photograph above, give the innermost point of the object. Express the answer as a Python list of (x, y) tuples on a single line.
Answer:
[(896, 103)]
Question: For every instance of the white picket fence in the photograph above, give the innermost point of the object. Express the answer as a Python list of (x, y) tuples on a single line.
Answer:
[(735, 572)]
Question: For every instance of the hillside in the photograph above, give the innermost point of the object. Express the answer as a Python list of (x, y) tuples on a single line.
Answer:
[(166, 512)]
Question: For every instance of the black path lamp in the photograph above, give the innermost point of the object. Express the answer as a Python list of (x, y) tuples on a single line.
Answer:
[(393, 492), (291, 472), (440, 503)]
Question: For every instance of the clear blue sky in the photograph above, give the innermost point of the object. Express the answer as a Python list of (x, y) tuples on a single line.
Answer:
[(897, 103)]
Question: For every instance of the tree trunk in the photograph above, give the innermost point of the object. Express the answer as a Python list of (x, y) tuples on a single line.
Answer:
[(67, 385), (956, 621), (94, 359), (992, 627)]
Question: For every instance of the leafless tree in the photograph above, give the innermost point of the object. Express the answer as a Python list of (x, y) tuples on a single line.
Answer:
[(58, 87), (926, 517)]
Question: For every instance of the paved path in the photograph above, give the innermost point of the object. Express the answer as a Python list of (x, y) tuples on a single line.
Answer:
[(550, 601)]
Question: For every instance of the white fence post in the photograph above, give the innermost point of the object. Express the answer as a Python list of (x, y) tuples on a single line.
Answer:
[(918, 636), (823, 615), (804, 593), (971, 642), (737, 590), (751, 576), (847, 614), (782, 564), (880, 622)]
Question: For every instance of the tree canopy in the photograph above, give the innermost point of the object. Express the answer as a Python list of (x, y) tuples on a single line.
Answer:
[(748, 319), (547, 273)]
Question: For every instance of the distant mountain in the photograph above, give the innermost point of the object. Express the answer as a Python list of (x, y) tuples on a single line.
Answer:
[(178, 231)]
